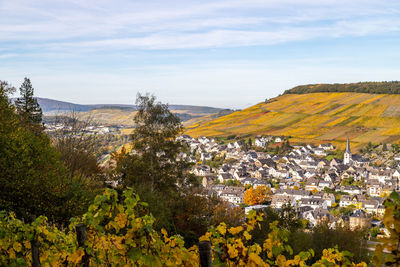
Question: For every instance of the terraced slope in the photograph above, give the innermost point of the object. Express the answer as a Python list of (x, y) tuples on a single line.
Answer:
[(314, 118), (124, 116)]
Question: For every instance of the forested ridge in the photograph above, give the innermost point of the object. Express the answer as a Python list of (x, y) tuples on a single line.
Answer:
[(386, 87)]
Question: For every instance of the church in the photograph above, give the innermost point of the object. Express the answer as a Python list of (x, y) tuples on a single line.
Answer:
[(347, 154), (349, 159)]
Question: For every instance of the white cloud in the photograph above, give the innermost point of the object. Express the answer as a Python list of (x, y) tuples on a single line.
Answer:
[(234, 38), (156, 24)]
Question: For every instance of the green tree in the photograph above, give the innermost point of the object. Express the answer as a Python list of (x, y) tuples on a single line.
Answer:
[(288, 146), (339, 153), (396, 148), (324, 236), (286, 217), (5, 90), (369, 147), (33, 180), (374, 231), (27, 106), (152, 169), (156, 148)]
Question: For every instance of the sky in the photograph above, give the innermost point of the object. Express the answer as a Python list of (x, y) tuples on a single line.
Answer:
[(228, 54)]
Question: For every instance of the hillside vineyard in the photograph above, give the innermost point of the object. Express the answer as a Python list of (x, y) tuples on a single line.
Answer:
[(315, 118)]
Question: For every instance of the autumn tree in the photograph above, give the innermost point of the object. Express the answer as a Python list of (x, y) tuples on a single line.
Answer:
[(153, 164), (77, 148), (258, 195), (152, 168), (27, 106), (226, 213), (314, 191)]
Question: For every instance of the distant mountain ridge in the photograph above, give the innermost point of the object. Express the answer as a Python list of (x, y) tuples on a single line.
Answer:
[(115, 114), (51, 105)]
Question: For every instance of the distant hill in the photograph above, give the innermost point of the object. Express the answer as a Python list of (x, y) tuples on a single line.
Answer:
[(54, 106), (116, 113), (392, 87), (49, 105), (314, 118)]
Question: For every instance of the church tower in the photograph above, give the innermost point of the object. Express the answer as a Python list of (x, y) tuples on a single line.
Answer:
[(347, 153)]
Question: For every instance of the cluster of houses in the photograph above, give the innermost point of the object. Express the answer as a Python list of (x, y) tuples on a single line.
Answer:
[(100, 129), (302, 177)]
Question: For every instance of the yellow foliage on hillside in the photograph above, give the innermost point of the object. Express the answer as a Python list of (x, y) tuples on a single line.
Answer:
[(319, 117)]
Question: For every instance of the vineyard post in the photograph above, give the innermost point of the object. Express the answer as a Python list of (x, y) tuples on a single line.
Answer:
[(81, 237), (205, 254), (35, 253), (35, 246)]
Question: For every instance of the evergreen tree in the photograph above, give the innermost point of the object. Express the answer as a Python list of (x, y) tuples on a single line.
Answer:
[(33, 179), (287, 145), (27, 106)]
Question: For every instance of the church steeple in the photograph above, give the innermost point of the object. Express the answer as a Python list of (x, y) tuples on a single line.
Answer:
[(347, 153), (347, 146)]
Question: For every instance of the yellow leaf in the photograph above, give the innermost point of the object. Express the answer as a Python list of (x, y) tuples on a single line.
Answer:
[(17, 246), (76, 257), (164, 232), (11, 254), (27, 244), (222, 228), (205, 237), (247, 235), (235, 230), (254, 258), (121, 220), (232, 251)]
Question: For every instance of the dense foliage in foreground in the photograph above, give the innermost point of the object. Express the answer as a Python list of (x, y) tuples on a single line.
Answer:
[(120, 233), (392, 87), (34, 180)]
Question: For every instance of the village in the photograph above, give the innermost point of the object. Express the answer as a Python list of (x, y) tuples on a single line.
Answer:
[(348, 190), (87, 129), (311, 179)]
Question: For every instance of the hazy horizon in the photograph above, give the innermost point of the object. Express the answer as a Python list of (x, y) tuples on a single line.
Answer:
[(111, 104)]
